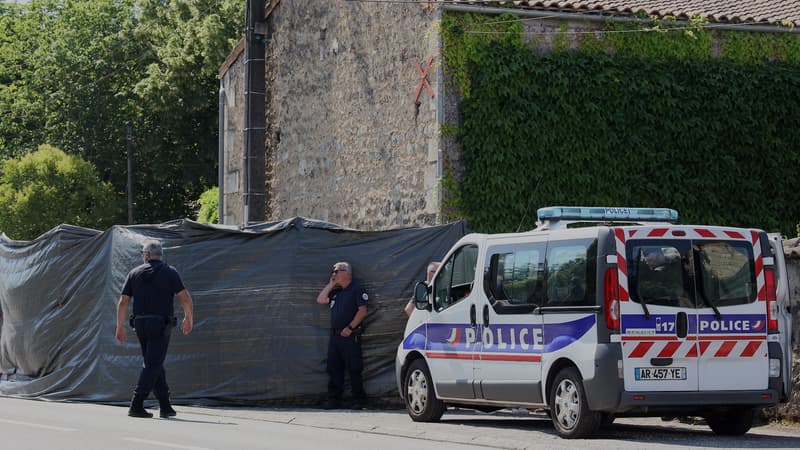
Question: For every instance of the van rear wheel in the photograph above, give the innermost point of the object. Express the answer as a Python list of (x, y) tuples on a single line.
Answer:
[(733, 422), (571, 415), (420, 397)]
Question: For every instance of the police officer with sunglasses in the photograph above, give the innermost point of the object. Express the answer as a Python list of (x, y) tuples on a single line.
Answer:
[(348, 304)]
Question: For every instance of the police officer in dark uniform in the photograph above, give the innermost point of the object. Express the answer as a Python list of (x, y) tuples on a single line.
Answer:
[(348, 303), (153, 286)]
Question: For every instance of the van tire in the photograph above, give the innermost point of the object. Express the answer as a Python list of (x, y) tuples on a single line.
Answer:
[(420, 397), (733, 422), (569, 409)]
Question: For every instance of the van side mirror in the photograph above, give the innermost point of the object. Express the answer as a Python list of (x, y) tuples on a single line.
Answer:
[(421, 295)]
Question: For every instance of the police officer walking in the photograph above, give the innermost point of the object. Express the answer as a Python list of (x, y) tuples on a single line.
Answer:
[(348, 303), (153, 286)]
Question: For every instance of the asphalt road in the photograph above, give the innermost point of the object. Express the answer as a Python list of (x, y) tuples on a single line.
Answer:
[(29, 424)]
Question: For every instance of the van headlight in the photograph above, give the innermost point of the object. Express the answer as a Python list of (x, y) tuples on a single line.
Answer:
[(774, 367)]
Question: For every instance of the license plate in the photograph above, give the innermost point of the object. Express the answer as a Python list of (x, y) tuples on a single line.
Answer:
[(660, 373)]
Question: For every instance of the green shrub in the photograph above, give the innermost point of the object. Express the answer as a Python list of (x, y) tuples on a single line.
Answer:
[(47, 187)]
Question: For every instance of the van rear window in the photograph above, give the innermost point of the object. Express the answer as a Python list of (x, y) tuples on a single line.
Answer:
[(689, 274), (727, 275)]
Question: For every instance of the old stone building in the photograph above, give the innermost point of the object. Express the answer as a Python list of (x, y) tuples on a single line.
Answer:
[(347, 139), (354, 100)]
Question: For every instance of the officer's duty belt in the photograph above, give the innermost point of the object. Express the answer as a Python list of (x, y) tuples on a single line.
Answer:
[(170, 320)]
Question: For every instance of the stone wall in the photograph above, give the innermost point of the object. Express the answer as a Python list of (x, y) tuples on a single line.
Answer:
[(345, 142)]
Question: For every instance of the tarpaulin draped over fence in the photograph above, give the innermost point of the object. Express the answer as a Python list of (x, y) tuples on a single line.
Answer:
[(259, 336)]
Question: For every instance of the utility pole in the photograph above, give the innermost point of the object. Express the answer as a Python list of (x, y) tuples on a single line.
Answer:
[(129, 139)]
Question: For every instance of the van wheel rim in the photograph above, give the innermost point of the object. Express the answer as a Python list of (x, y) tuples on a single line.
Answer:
[(567, 404), (417, 391)]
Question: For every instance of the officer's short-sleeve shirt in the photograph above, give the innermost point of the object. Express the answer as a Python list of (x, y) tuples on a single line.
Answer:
[(153, 286), (345, 303)]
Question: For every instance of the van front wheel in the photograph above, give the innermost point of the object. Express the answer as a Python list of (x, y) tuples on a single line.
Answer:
[(571, 415), (421, 401)]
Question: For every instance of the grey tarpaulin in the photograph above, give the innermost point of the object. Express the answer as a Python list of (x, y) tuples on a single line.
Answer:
[(259, 335)]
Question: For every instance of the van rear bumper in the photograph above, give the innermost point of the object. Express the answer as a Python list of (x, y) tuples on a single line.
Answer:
[(765, 397)]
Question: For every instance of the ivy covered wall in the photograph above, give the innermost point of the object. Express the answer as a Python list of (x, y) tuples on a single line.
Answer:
[(657, 114)]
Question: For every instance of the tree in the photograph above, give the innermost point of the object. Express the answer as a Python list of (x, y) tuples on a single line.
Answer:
[(73, 73), (209, 206), (46, 188)]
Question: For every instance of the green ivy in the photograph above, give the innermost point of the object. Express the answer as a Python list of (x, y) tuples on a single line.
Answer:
[(467, 36), (665, 39), (659, 118), (450, 130), (451, 201)]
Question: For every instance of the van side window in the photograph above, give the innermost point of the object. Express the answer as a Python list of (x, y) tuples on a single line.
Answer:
[(514, 278), (571, 269), (455, 279), (727, 275)]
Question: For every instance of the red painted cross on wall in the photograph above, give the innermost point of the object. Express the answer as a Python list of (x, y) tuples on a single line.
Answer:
[(423, 77)]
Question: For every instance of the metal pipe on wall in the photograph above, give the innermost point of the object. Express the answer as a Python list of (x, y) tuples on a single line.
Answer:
[(254, 112), (221, 155)]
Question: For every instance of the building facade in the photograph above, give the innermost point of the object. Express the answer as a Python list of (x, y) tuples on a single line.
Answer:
[(349, 139)]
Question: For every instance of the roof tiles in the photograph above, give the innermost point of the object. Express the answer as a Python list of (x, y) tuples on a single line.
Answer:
[(724, 11)]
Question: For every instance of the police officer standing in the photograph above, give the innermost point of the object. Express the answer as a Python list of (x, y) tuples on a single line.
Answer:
[(153, 286), (348, 303)]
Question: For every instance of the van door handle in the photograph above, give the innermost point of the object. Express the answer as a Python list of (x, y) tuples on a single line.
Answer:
[(681, 324), (486, 315), (472, 320), (661, 361)]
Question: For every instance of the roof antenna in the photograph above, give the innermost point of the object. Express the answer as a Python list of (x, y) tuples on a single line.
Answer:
[(530, 199)]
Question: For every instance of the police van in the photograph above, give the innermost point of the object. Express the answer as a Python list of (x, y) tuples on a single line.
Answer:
[(634, 315)]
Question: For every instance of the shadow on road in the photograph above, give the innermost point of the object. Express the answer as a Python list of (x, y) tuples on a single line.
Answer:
[(212, 422), (670, 433)]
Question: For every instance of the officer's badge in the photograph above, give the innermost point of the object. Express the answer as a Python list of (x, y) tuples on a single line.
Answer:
[(365, 296)]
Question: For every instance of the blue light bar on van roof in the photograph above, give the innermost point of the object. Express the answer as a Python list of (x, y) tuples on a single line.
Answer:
[(598, 213)]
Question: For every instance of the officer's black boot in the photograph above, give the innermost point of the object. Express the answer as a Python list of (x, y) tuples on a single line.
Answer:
[(166, 408), (137, 407)]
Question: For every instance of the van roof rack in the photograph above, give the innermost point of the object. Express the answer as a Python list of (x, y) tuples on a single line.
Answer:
[(553, 217)]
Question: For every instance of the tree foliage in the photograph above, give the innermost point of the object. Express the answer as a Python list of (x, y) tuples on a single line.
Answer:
[(46, 188), (74, 73), (209, 206)]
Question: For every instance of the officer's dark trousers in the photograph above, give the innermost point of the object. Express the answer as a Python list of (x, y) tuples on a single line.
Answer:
[(153, 334), (345, 353)]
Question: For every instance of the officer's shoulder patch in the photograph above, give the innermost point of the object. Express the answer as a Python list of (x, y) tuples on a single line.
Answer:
[(364, 296)]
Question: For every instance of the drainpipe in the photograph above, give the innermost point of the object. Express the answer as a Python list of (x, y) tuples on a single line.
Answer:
[(221, 155), (439, 121), (609, 18), (254, 113)]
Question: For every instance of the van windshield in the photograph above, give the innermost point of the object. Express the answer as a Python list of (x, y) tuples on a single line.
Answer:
[(688, 274)]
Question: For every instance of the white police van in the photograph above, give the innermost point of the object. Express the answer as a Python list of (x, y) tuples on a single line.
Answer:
[(634, 316)]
